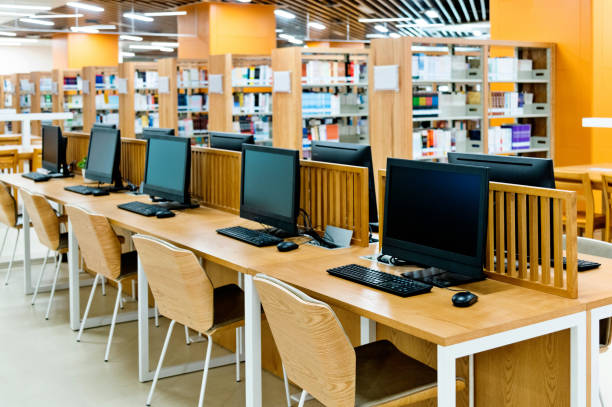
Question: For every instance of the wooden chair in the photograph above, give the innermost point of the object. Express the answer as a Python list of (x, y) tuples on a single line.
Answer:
[(36, 159), (101, 250), (318, 356), (606, 189), (46, 224), (580, 182), (9, 161), (10, 218), (184, 294)]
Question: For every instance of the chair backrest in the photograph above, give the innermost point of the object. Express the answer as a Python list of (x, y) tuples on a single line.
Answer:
[(181, 288), (9, 160), (8, 206), (36, 159), (43, 217), (606, 189), (98, 242), (316, 353), (580, 182)]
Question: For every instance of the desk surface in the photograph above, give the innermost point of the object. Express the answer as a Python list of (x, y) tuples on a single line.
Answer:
[(594, 170)]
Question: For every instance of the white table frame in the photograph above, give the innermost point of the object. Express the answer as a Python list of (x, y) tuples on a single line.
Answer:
[(26, 118), (596, 315)]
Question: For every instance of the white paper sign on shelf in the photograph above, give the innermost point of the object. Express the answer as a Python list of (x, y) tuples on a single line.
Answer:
[(163, 83), (215, 84), (282, 82), (121, 85), (85, 87), (386, 77)]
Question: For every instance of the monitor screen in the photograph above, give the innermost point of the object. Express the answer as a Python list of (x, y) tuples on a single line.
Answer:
[(168, 167), (270, 186), (104, 155), (52, 144), (423, 199), (229, 141)]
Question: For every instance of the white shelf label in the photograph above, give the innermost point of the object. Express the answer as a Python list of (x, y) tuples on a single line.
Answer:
[(215, 84), (386, 77), (282, 82)]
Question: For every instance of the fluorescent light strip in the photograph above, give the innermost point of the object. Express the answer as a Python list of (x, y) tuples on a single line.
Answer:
[(244, 1), (15, 14), (8, 34), (376, 36), (24, 7), (48, 16), (420, 24), (139, 17), (432, 14), (394, 35), (126, 37), (384, 20), (284, 14), (166, 13), (151, 47), (278, 30), (381, 28), (165, 49), (84, 6), (85, 29), (296, 41), (39, 22), (102, 27), (165, 44), (316, 26), (127, 54)]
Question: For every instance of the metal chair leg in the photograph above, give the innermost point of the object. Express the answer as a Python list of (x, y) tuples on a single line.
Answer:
[(114, 320), (287, 393), (156, 316), (237, 353), (91, 296), (57, 270), (187, 339), (601, 399), (206, 365), (303, 398), (161, 361), (4, 240), (40, 276), (10, 267), (103, 287)]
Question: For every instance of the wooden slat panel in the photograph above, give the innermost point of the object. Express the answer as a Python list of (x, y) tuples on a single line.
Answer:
[(499, 237), (558, 242), (545, 238), (215, 178), (534, 253), (511, 234)]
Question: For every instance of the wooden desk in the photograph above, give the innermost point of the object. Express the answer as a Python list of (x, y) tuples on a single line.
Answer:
[(594, 170), (23, 154)]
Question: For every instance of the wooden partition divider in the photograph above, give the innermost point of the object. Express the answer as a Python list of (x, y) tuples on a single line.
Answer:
[(215, 178), (133, 153), (527, 224), (76, 149)]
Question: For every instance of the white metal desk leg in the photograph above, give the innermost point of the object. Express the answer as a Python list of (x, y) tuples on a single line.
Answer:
[(367, 330), (597, 314), (143, 324), (252, 316), (73, 279), (27, 264), (578, 363), (447, 392)]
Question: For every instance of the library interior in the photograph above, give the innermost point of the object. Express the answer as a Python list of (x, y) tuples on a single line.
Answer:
[(306, 203)]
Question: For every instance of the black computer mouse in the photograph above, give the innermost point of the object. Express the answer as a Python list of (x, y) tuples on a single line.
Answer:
[(464, 299), (165, 214), (286, 246)]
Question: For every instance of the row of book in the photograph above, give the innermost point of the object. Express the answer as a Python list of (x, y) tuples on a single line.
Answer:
[(192, 78), (350, 131), (191, 127), (259, 126), (508, 68), (104, 101), (144, 120), (25, 100), (46, 102), (145, 79), (444, 67), (329, 104), (509, 103), (8, 99), (108, 118), (47, 85), (8, 86), (251, 103), (197, 102), (73, 102), (145, 101), (509, 137), (260, 75), (430, 143), (330, 72), (73, 82), (431, 104), (76, 123), (106, 81)]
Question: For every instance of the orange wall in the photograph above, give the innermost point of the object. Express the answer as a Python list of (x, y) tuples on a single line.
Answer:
[(602, 84), (195, 22), (569, 24), (92, 50), (59, 48)]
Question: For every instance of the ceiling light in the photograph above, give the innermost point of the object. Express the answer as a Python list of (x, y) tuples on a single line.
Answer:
[(278, 30), (166, 13), (58, 16), (127, 54), (102, 27), (15, 14), (84, 6), (86, 29), (381, 28), (8, 34), (244, 1), (23, 7), (139, 17), (151, 47), (384, 20), (432, 13), (316, 26), (376, 36), (126, 37), (166, 44), (164, 49), (477, 33), (286, 36), (296, 41), (394, 35), (284, 14), (39, 22), (422, 23)]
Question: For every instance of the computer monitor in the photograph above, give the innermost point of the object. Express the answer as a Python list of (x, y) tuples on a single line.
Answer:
[(54, 150), (104, 155), (229, 141), (149, 131), (436, 217), (168, 168), (270, 186), (104, 126), (350, 154)]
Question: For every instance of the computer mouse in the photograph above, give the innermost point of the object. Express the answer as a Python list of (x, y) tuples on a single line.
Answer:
[(165, 214), (464, 299), (100, 193), (286, 246)]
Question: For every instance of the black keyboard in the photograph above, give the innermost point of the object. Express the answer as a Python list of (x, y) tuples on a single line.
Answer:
[(36, 176), (83, 190), (583, 265), (402, 286), (143, 208), (254, 237)]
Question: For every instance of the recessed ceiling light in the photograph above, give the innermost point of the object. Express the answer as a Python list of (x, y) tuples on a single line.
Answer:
[(127, 54), (295, 41), (394, 35), (24, 7), (284, 14), (432, 13), (47, 16), (285, 36), (384, 20), (39, 22), (129, 37), (166, 13), (85, 29), (166, 44), (139, 17), (8, 34), (278, 30), (316, 26), (381, 28), (84, 6)]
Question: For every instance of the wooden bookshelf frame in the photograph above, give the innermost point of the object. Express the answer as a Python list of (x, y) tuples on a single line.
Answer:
[(58, 76), (36, 126), (127, 110), (15, 126), (90, 111)]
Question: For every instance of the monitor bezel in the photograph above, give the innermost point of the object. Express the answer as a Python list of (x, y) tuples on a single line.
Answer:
[(115, 136), (179, 196), (288, 224), (237, 137), (433, 257)]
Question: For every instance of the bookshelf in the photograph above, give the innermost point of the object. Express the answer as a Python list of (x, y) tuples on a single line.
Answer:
[(139, 99), (328, 99), (9, 101), (101, 100), (463, 95), (69, 97), (42, 100)]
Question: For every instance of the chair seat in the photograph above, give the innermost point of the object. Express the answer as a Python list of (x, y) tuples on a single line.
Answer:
[(228, 306), (386, 376)]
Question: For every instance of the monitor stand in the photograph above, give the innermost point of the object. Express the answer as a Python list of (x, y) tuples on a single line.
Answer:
[(280, 233), (173, 205), (441, 278)]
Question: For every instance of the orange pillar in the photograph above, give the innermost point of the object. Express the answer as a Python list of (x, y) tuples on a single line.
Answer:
[(568, 23), (601, 148), (76, 50), (248, 29)]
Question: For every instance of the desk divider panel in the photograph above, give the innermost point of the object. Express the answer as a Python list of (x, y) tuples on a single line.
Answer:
[(215, 178), (527, 224), (77, 147)]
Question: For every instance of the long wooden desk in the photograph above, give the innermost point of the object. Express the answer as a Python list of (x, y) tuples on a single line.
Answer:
[(594, 170)]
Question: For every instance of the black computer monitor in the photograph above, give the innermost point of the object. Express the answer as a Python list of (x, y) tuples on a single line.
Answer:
[(349, 154), (168, 168), (229, 141), (53, 150), (104, 126), (270, 186), (149, 131), (104, 155), (534, 172), (436, 217)]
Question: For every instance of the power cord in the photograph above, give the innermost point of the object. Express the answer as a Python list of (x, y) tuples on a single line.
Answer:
[(313, 233)]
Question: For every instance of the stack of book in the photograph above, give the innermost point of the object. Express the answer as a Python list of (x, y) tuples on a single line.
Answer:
[(46, 85), (443, 67), (506, 103), (436, 143), (197, 102), (259, 126), (8, 86), (331, 72), (108, 118), (73, 83), (73, 102), (145, 120), (46, 102), (521, 135), (329, 104), (105, 82), (500, 139), (145, 79), (425, 104), (104, 101), (145, 101), (260, 75), (192, 78), (252, 103)]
